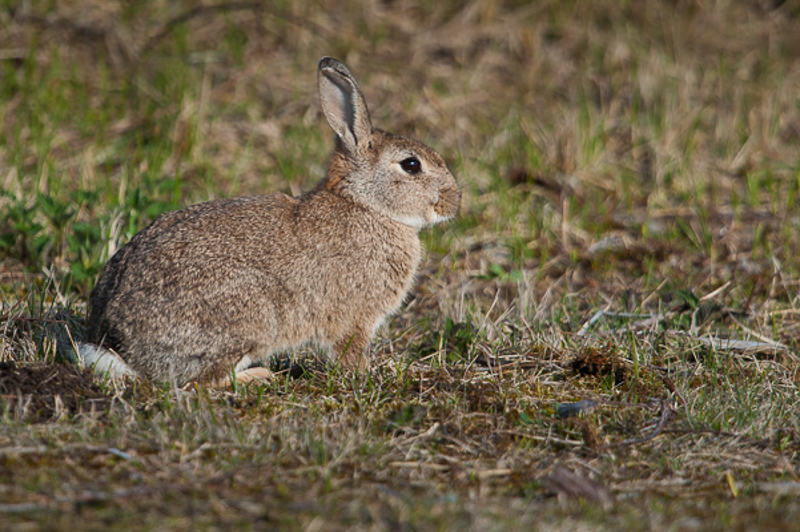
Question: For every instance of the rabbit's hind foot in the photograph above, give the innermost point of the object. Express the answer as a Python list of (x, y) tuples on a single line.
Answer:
[(254, 375)]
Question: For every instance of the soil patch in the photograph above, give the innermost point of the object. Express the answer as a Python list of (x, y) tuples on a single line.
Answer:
[(39, 392)]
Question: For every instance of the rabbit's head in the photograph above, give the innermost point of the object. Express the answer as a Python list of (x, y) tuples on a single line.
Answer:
[(396, 176)]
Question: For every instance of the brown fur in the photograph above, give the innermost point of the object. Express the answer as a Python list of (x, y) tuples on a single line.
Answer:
[(200, 289)]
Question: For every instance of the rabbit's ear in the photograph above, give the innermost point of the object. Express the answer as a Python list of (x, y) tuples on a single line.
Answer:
[(343, 103)]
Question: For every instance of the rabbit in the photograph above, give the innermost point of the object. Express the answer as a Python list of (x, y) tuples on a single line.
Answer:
[(218, 286)]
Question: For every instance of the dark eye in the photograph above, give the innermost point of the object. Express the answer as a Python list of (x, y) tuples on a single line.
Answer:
[(411, 165)]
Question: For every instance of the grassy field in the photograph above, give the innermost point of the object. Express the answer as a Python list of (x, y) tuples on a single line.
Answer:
[(606, 337)]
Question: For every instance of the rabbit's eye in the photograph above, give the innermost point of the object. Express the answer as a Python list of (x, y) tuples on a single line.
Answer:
[(411, 165)]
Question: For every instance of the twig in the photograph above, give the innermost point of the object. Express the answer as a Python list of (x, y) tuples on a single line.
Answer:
[(668, 382), (704, 431), (25, 507), (665, 410), (751, 332), (588, 325), (43, 449), (654, 294), (420, 465), (649, 320), (82, 31), (742, 346), (716, 292)]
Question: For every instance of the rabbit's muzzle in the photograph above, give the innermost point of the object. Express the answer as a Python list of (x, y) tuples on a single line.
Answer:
[(449, 201)]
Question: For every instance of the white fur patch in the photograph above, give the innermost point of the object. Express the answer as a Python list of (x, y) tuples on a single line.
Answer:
[(417, 222), (437, 218), (104, 361), (243, 364)]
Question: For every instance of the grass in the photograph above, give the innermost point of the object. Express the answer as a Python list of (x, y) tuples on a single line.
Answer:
[(639, 159)]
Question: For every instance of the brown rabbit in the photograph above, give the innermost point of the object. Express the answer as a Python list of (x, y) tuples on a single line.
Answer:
[(223, 284)]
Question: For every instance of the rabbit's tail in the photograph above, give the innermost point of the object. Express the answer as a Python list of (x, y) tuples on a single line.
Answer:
[(69, 334), (104, 361)]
